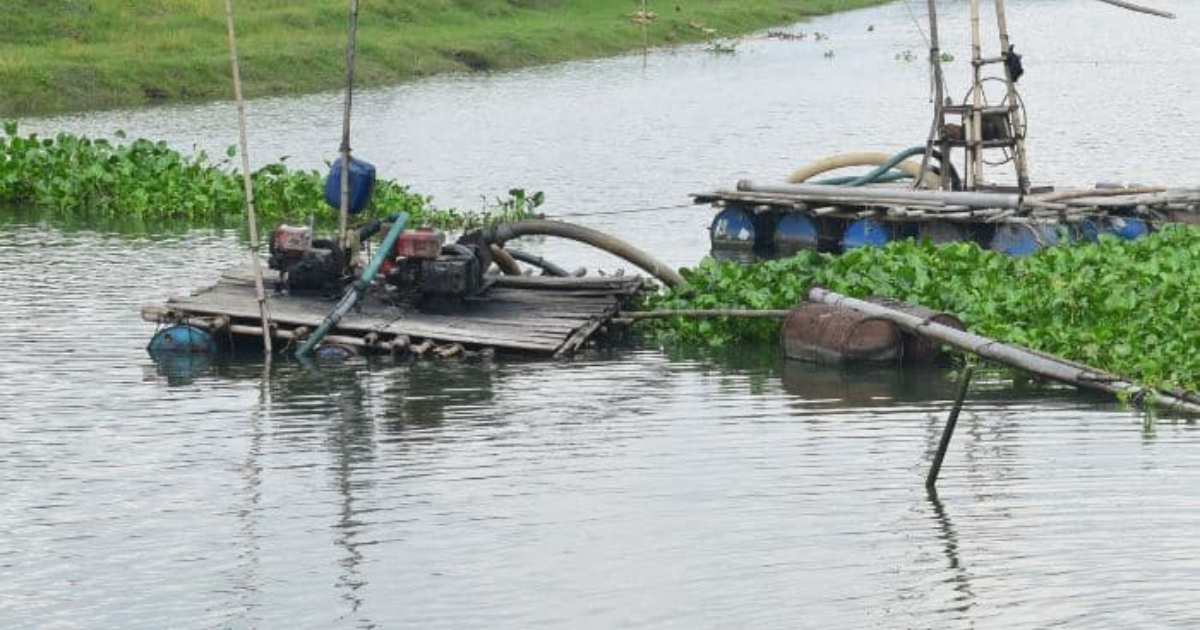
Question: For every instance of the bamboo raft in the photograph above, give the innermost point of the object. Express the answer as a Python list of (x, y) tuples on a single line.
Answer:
[(521, 314), (754, 215)]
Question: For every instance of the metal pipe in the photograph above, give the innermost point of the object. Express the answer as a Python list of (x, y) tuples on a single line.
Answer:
[(947, 197), (251, 220), (357, 289)]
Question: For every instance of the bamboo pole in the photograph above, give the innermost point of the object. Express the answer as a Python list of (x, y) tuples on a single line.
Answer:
[(939, 115), (251, 220), (1016, 116), (1140, 9), (974, 130), (951, 422), (344, 206), (1033, 362), (705, 312)]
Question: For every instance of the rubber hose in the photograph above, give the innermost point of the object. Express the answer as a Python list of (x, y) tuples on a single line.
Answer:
[(888, 165), (548, 267), (507, 264), (503, 232), (913, 169)]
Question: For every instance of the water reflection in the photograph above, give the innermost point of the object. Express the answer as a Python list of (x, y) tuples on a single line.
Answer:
[(959, 575)]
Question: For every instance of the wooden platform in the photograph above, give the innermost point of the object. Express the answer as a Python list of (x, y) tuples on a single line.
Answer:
[(531, 314)]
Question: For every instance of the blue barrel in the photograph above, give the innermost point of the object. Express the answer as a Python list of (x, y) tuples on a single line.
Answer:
[(733, 227), (182, 339), (1085, 231), (334, 352), (940, 232), (1023, 239), (362, 183), (795, 232), (1127, 228), (865, 233)]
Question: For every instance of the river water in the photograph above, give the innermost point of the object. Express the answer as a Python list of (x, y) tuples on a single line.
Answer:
[(631, 487)]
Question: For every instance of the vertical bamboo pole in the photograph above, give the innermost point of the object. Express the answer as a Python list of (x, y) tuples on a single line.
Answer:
[(974, 133), (344, 213), (951, 422), (1015, 116), (251, 220), (939, 97), (645, 34)]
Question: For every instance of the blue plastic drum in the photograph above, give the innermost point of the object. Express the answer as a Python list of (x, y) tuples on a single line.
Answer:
[(1127, 228), (1085, 231), (182, 339), (865, 233), (1023, 239), (733, 227), (795, 232)]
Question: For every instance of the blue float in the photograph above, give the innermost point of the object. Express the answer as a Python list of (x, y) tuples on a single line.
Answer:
[(182, 339), (362, 183), (1127, 228), (940, 233), (1085, 231), (733, 227), (1023, 239), (865, 233), (795, 232)]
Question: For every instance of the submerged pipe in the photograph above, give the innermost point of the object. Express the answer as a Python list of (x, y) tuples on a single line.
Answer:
[(501, 233), (357, 289)]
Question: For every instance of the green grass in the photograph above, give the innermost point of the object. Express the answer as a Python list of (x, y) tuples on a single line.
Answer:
[(67, 55)]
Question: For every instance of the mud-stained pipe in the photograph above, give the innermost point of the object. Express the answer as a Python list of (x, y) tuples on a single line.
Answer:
[(503, 232), (548, 267), (507, 264)]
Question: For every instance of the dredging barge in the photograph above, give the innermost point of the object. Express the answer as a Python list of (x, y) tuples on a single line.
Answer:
[(986, 128)]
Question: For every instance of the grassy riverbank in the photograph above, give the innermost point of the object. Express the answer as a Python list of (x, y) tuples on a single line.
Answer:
[(64, 55)]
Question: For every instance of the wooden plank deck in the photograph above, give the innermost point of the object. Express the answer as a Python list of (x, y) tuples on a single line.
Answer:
[(531, 314)]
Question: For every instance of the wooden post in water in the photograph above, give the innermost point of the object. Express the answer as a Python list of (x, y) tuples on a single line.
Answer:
[(951, 422), (251, 220), (344, 211)]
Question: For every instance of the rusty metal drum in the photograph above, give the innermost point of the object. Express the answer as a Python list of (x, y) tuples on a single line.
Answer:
[(827, 334)]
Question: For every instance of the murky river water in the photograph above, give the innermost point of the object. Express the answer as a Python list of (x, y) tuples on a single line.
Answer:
[(636, 487)]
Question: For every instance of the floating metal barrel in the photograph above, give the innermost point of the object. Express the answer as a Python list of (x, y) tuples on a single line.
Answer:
[(182, 339), (919, 350), (1023, 239), (795, 232), (734, 227), (827, 334), (865, 233), (1127, 228), (1084, 231)]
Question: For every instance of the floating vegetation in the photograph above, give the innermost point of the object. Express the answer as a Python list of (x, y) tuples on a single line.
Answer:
[(72, 177), (1128, 307)]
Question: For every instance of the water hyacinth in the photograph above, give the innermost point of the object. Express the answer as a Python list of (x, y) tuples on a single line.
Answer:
[(1129, 307), (71, 177)]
